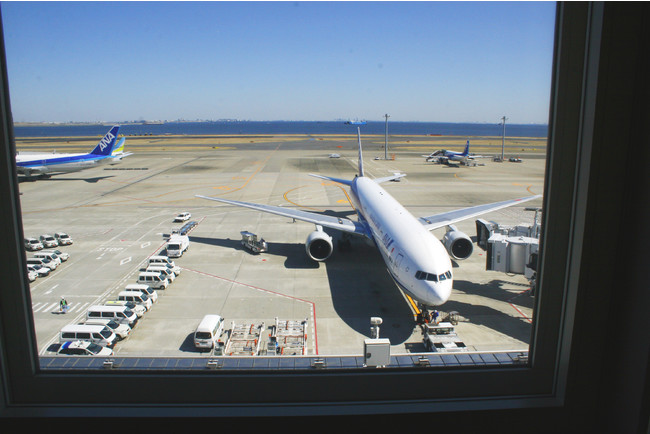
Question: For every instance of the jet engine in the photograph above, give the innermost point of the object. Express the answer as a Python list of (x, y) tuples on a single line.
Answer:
[(457, 243), (319, 245)]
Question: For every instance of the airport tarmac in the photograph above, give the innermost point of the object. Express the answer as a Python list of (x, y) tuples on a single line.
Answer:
[(120, 215)]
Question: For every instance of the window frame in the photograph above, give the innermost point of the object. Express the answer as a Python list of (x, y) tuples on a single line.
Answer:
[(545, 383)]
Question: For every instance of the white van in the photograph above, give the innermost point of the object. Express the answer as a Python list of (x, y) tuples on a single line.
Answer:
[(45, 262), (169, 274), (208, 332), (51, 255), (119, 314), (164, 260), (137, 308), (121, 330), (137, 297), (32, 244), (153, 280), (153, 295), (98, 334), (155, 259), (62, 255)]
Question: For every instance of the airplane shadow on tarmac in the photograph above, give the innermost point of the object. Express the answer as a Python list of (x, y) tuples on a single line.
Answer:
[(293, 252), (513, 325), (360, 285), (362, 288)]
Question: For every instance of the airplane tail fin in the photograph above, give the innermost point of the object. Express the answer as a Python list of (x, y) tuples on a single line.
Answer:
[(360, 153), (466, 151), (107, 143), (119, 147)]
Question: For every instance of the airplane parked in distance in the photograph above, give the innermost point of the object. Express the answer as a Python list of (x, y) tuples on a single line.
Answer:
[(445, 157), (118, 153), (418, 262), (35, 164)]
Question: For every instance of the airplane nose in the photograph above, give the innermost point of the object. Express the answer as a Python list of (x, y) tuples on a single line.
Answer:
[(439, 292)]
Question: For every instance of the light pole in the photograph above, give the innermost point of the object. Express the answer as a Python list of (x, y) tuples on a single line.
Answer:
[(503, 137), (386, 138)]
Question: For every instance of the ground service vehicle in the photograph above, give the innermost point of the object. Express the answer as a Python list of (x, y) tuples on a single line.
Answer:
[(48, 241), (83, 348), (120, 330), (153, 279), (137, 297), (153, 295), (120, 314), (208, 331), (63, 238), (32, 244), (98, 334), (177, 245), (182, 217)]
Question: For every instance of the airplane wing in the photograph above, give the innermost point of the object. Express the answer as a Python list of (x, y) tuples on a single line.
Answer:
[(394, 177), (447, 218), (327, 221)]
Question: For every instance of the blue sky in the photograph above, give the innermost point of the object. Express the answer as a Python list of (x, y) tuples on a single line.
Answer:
[(417, 61)]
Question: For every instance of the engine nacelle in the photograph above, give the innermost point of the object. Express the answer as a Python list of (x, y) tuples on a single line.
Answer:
[(319, 245), (458, 244)]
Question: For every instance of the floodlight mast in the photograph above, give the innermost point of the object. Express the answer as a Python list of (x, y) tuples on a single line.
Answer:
[(503, 137), (386, 138)]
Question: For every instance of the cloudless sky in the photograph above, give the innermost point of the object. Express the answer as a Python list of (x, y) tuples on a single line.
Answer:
[(417, 61)]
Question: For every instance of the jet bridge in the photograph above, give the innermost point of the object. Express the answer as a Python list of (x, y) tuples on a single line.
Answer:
[(509, 249)]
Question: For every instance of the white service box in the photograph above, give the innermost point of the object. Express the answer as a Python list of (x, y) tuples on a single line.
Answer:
[(376, 352)]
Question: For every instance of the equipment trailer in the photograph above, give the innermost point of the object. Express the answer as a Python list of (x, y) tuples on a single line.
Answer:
[(244, 339), (289, 338)]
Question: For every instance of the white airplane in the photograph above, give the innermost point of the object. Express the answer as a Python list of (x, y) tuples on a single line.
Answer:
[(418, 262), (445, 157), (32, 164), (118, 153)]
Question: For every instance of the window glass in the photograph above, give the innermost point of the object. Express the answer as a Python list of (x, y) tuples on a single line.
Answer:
[(483, 79)]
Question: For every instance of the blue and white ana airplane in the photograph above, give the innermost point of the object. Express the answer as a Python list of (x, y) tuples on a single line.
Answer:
[(33, 164), (419, 263), (444, 157)]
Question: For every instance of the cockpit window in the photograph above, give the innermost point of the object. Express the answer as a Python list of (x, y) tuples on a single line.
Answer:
[(421, 275)]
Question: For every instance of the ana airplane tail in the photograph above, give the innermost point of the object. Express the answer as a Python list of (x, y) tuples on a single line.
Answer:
[(107, 143), (394, 177), (466, 151), (360, 154)]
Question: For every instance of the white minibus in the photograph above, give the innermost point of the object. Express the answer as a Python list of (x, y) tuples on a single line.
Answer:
[(208, 332), (154, 280), (153, 295), (139, 298), (119, 314), (99, 334)]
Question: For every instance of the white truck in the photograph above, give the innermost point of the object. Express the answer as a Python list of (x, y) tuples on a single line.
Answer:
[(177, 245)]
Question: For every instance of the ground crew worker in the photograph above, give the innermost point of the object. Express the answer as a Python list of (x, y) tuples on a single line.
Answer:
[(63, 305)]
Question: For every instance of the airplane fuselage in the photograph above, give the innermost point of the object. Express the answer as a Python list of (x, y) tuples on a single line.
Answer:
[(413, 255), (51, 163)]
